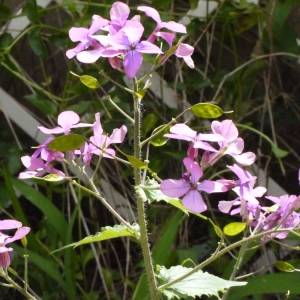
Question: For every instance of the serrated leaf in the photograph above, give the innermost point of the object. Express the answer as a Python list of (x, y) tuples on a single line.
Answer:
[(53, 177), (284, 266), (159, 140), (109, 232), (89, 81), (279, 153), (136, 163), (68, 142), (197, 284), (207, 110), (234, 228), (44, 105), (36, 43), (151, 192)]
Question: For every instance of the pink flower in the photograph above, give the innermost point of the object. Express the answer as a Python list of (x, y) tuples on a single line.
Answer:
[(66, 120), (6, 239), (171, 25), (189, 187)]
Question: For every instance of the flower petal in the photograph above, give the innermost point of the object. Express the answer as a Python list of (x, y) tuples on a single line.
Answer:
[(174, 188), (132, 62), (20, 233), (194, 168), (10, 224), (194, 202)]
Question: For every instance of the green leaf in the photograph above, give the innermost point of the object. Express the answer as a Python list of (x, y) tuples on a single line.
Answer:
[(36, 43), (217, 230), (109, 232), (148, 123), (30, 10), (136, 163), (207, 110), (53, 177), (68, 142), (160, 140), (234, 228), (279, 153), (89, 81), (5, 40), (44, 105), (284, 266), (197, 284)]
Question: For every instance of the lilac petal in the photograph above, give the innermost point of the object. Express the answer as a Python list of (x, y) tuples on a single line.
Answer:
[(98, 23), (147, 47), (89, 56), (132, 62), (211, 137), (97, 128), (114, 62), (184, 50), (188, 60), (209, 186), (110, 153), (73, 52), (3, 250), (78, 34), (245, 159), (225, 206), (240, 173), (27, 174), (194, 202), (67, 118), (174, 188), (118, 10), (173, 26), (204, 146), (259, 191), (235, 147), (54, 130), (20, 233), (194, 169), (118, 134), (182, 129), (229, 130), (167, 36), (4, 258), (152, 13), (133, 35), (10, 224), (32, 163)]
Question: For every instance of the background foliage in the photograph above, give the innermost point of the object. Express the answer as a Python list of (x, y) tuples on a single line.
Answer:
[(246, 57)]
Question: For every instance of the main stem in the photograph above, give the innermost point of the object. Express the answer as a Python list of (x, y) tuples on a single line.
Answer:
[(140, 204)]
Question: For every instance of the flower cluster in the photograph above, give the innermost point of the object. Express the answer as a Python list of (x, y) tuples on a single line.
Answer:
[(282, 215), (6, 239), (120, 39), (39, 163)]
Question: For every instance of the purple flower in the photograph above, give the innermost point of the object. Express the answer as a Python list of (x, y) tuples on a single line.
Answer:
[(128, 40), (189, 187), (232, 144), (37, 168), (184, 132), (84, 36), (100, 142), (171, 25), (243, 187), (282, 215), (185, 51), (6, 239), (66, 120)]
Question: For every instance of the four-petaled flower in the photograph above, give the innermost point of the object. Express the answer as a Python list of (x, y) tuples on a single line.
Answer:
[(189, 187), (6, 239)]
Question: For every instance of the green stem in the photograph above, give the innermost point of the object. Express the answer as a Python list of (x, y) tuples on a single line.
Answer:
[(220, 253), (140, 204)]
